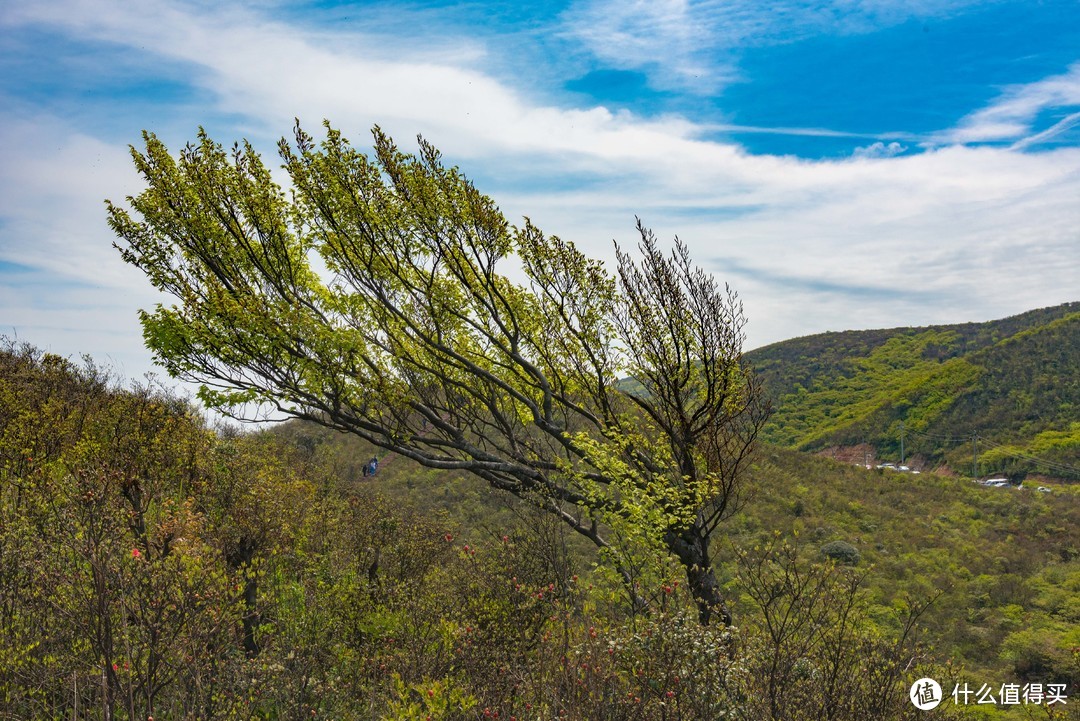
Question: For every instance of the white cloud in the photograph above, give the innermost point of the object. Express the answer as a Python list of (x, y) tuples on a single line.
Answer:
[(879, 150), (1011, 116), (70, 292), (694, 45), (950, 234), (1053, 131), (671, 38), (54, 180)]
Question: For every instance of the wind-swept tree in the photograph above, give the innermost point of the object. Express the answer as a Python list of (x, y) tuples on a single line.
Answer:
[(376, 297)]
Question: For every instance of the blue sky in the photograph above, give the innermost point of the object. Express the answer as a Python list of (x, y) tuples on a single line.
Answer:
[(846, 164)]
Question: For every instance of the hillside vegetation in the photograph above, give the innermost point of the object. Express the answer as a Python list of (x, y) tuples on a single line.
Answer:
[(153, 566), (1012, 386), (1003, 564), (999, 567)]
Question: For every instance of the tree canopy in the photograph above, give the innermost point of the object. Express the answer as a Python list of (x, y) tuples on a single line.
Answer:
[(377, 296)]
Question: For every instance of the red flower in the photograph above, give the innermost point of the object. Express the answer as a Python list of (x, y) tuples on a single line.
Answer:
[(135, 553), (449, 537), (116, 667)]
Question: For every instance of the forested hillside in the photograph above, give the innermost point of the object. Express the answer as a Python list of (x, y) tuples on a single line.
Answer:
[(151, 565), (1004, 394), (1001, 566), (154, 568)]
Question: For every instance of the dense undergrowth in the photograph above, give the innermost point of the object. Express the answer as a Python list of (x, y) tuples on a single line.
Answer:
[(1002, 564), (153, 567)]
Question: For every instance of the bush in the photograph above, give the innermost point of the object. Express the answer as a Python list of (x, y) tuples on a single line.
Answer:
[(841, 552)]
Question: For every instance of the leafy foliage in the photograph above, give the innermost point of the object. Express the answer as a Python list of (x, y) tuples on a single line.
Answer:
[(155, 568)]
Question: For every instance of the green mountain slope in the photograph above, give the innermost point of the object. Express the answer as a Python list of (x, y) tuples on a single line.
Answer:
[(1012, 385), (1005, 561), (1002, 563)]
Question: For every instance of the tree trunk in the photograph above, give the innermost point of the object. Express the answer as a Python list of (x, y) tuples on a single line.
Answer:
[(251, 613), (692, 549), (241, 560)]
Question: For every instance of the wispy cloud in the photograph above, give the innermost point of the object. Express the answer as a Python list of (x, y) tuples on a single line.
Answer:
[(268, 72), (61, 285), (1052, 132), (53, 181), (1011, 116), (809, 132), (672, 39), (835, 284), (952, 222), (695, 45)]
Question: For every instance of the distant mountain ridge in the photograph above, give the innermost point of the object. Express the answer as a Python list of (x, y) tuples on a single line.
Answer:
[(995, 397)]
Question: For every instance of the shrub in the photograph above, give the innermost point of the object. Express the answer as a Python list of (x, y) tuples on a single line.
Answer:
[(841, 552)]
